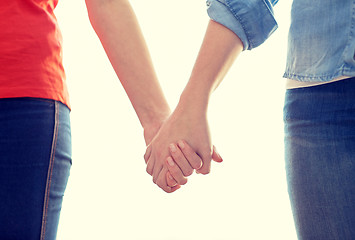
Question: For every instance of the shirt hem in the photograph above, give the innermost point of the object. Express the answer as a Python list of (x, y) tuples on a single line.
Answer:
[(37, 93)]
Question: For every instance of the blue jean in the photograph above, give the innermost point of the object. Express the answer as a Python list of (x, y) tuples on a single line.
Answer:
[(35, 160), (320, 159)]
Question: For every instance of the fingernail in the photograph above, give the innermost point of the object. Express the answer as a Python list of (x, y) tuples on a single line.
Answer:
[(170, 161), (172, 147), (181, 144)]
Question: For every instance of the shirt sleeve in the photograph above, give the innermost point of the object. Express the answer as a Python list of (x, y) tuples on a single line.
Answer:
[(251, 20)]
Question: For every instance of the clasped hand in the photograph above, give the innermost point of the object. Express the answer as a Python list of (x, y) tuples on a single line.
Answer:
[(181, 145)]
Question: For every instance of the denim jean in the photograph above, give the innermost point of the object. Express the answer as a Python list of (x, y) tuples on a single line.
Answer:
[(35, 160), (320, 159)]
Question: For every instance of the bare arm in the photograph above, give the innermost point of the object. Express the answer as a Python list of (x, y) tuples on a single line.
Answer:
[(117, 28), (188, 122), (217, 54), (218, 51)]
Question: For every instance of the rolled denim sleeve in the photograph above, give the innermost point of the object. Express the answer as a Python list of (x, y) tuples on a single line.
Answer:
[(251, 20)]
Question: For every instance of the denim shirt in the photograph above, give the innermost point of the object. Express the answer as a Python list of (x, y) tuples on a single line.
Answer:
[(321, 41)]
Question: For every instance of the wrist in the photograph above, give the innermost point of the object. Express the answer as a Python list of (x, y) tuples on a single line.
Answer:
[(155, 117), (194, 99), (152, 125)]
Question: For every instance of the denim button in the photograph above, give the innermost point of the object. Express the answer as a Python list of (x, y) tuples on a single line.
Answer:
[(208, 3)]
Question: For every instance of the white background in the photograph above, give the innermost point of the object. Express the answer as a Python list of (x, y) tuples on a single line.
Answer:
[(110, 196)]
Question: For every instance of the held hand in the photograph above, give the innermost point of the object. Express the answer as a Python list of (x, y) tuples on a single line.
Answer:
[(181, 164), (176, 164), (150, 130), (182, 124), (156, 164)]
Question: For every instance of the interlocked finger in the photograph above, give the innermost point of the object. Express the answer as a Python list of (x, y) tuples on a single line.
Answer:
[(170, 180), (194, 159), (175, 173), (161, 182), (180, 160)]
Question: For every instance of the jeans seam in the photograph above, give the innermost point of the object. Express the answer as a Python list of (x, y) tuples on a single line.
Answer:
[(50, 170)]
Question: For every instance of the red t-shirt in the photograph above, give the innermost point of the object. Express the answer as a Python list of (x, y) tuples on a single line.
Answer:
[(31, 51)]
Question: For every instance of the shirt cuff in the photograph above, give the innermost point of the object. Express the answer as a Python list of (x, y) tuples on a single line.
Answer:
[(251, 20), (220, 13)]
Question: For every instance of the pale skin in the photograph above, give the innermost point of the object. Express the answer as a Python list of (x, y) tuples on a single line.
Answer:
[(117, 28), (189, 120), (116, 25)]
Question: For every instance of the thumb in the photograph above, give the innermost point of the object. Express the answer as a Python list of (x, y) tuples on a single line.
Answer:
[(215, 155)]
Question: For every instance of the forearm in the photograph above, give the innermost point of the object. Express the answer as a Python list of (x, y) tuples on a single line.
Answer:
[(218, 51), (117, 27)]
